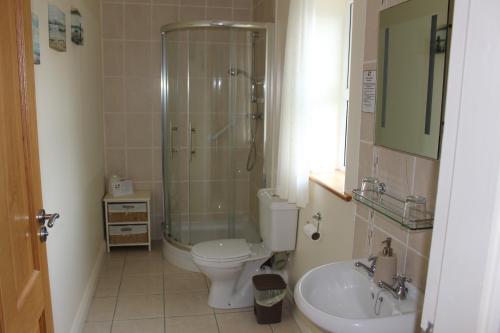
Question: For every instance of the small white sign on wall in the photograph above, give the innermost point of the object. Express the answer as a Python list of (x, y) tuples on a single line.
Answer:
[(369, 90)]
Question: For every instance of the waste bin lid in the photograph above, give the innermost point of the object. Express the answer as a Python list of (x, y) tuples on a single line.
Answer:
[(268, 282)]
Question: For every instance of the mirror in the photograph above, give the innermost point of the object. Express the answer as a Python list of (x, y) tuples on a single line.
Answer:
[(411, 74)]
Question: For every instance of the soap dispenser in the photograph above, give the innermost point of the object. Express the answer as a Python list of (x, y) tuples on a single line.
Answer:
[(387, 264)]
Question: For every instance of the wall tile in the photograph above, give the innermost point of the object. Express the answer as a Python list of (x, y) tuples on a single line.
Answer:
[(139, 93), (219, 14), (421, 241), (167, 2), (139, 130), (114, 130), (157, 199), (155, 65), (264, 11), (396, 170), (112, 21), (112, 95), (426, 179), (246, 4), (192, 13), (139, 164), (362, 211), (115, 162), (193, 3), (391, 227), (160, 16), (219, 3), (137, 58), (368, 126), (112, 57), (157, 164), (137, 22), (371, 32), (365, 160), (242, 15), (416, 269), (157, 125), (360, 248)]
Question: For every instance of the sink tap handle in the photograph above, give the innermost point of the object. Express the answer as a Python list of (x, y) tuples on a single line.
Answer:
[(372, 259), (401, 279)]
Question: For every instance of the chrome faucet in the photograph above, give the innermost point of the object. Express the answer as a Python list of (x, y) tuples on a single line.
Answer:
[(398, 289), (371, 269)]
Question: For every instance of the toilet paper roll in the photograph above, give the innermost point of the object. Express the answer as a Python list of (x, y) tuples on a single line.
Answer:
[(310, 231)]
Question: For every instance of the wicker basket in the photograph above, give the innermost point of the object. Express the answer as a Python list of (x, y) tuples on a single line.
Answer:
[(127, 212), (128, 239), (127, 217)]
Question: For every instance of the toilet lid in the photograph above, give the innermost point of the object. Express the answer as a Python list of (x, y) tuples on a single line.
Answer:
[(222, 250)]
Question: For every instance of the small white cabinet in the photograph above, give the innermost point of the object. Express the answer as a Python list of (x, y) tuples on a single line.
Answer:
[(128, 220)]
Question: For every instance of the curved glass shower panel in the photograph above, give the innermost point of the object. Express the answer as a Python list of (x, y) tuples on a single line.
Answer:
[(209, 131), (175, 143)]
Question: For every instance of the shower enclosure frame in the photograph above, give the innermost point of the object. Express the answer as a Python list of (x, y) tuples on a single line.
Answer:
[(269, 101)]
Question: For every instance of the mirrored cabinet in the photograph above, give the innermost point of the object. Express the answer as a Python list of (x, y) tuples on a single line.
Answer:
[(412, 45)]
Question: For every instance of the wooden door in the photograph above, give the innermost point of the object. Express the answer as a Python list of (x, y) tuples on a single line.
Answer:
[(24, 283)]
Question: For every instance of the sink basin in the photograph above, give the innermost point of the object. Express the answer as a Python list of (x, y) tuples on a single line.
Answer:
[(341, 298)]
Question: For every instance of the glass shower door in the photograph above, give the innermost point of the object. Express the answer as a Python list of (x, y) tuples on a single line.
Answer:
[(207, 131), (175, 143)]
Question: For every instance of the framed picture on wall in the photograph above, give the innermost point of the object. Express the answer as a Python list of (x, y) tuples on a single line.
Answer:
[(76, 27), (36, 38), (57, 29)]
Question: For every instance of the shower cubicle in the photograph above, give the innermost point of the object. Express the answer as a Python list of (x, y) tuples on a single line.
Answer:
[(213, 88)]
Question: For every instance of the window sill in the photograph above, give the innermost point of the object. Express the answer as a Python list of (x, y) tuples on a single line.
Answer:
[(333, 182)]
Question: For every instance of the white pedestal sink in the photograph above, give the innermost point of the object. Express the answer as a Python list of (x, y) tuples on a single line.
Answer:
[(341, 298)]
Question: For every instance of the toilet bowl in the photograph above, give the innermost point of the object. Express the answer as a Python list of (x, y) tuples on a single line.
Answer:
[(230, 264)]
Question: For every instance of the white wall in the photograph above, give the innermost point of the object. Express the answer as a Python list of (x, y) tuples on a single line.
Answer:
[(68, 96)]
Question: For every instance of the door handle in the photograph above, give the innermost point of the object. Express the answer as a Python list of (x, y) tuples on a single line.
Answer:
[(42, 216), (192, 131), (173, 150), (43, 234)]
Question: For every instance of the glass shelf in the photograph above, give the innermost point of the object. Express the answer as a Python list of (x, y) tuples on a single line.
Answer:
[(392, 207)]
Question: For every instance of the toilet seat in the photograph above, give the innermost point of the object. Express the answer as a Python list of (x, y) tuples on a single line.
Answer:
[(222, 250)]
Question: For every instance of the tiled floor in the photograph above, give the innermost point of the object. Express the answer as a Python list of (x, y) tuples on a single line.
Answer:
[(139, 292)]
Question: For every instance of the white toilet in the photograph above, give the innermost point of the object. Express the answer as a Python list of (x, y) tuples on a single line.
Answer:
[(230, 264)]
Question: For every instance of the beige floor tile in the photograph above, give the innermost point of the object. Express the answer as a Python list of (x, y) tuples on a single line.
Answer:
[(115, 253), (154, 325), (187, 304), (147, 266), (169, 268), (192, 324), (102, 309), (142, 285), (112, 268), (139, 307), (107, 287), (103, 327), (241, 322), (142, 252), (287, 325), (185, 282)]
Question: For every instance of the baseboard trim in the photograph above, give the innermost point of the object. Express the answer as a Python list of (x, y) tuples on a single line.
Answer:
[(83, 308)]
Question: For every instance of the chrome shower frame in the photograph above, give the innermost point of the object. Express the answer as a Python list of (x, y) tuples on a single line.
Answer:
[(267, 85)]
